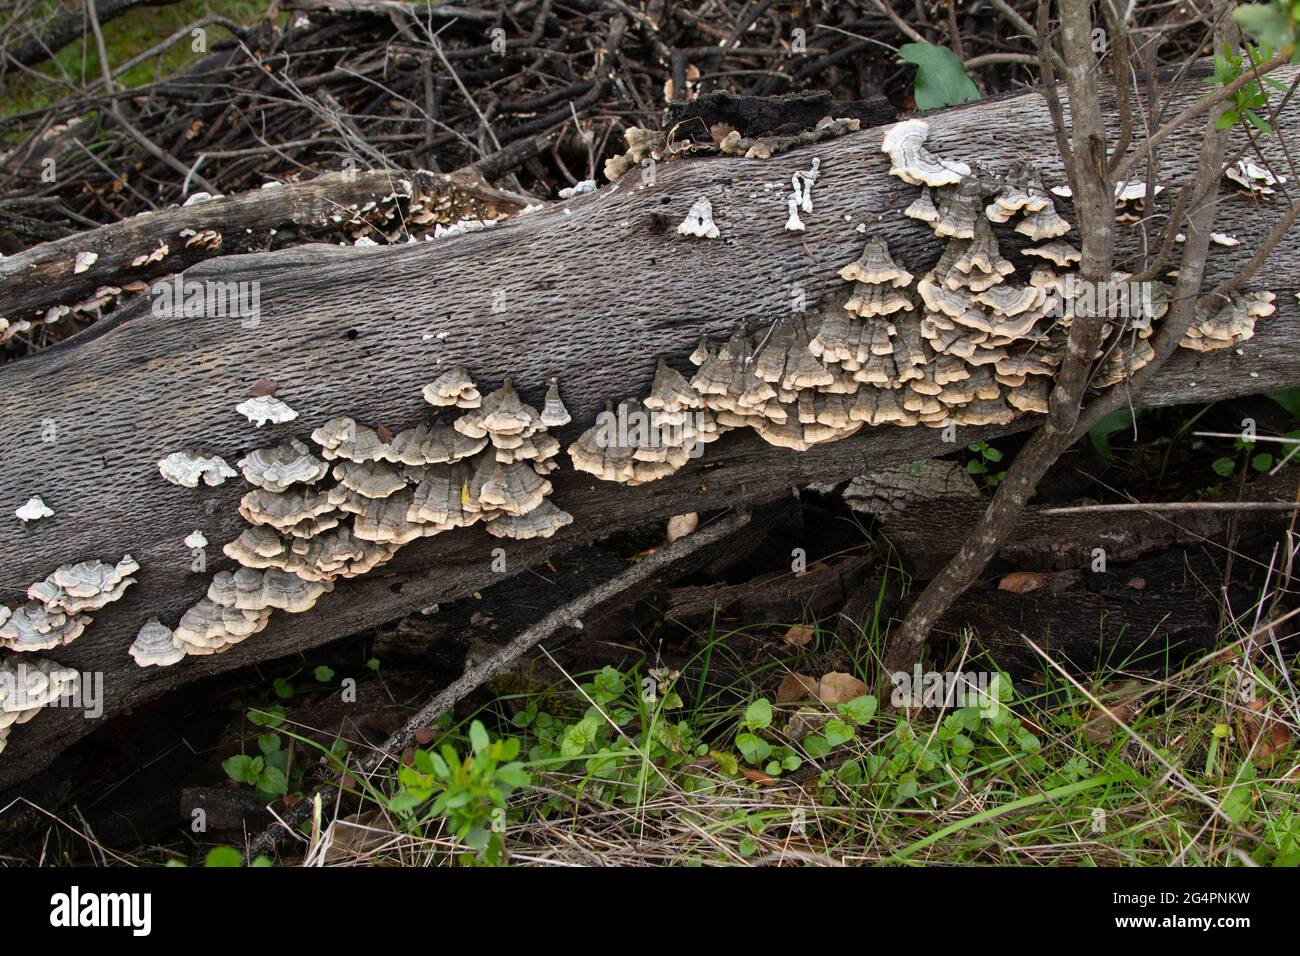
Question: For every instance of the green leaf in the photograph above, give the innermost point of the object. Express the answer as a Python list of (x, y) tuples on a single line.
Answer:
[(727, 761), (268, 744), (1224, 467), (223, 856), (758, 715), (1100, 433), (283, 688), (1288, 398), (324, 674), (837, 732), (1269, 23), (273, 781), (941, 78), (1262, 462), (239, 768), (815, 745), (754, 748), (992, 454), (478, 737), (406, 800), (860, 710)]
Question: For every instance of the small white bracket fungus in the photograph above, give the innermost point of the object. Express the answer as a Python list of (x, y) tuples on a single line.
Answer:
[(83, 261), (154, 647), (699, 221), (185, 468), (801, 184), (913, 163), (586, 186), (266, 408), (554, 414), (196, 539), (34, 509)]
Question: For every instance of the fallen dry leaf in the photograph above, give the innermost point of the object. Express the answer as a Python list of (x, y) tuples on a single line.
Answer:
[(839, 688), (798, 635), (1099, 725), (1022, 582), (796, 687), (757, 776), (805, 721), (425, 736), (1259, 728)]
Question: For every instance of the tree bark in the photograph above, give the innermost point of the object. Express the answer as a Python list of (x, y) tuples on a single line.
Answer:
[(592, 289)]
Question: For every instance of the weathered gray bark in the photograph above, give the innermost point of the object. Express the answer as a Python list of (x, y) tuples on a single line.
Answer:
[(43, 276), (592, 291)]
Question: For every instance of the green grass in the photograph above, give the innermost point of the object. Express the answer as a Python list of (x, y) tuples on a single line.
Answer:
[(125, 37), (703, 773)]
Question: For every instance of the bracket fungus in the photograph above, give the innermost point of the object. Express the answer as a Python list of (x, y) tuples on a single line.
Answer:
[(912, 162), (699, 221), (195, 539), (33, 509), (154, 647), (1254, 181), (279, 467), (86, 586), (801, 184), (1231, 323), (261, 409), (554, 414), (453, 387), (36, 627), (186, 468), (27, 686)]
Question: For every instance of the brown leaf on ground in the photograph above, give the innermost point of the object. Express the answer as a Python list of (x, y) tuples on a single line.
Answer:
[(1259, 728), (798, 635), (425, 736), (757, 776), (1022, 582), (839, 688), (1122, 701), (796, 687)]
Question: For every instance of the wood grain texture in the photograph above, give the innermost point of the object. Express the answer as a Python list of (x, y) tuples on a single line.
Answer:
[(592, 289), (38, 278)]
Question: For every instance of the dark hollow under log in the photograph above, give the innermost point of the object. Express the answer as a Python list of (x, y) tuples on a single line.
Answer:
[(591, 290)]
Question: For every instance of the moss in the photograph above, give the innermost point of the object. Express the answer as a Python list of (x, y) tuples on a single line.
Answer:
[(125, 37)]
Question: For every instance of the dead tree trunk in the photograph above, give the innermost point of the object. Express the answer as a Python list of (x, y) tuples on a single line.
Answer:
[(592, 290)]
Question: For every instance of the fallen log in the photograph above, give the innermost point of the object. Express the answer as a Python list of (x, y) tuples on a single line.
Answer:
[(366, 204), (590, 290)]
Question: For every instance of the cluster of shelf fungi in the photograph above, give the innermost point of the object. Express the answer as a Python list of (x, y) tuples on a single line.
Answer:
[(970, 341)]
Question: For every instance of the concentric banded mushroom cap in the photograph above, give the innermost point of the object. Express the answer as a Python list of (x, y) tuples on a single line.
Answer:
[(911, 162), (554, 414), (541, 522), (279, 467), (875, 265), (35, 627), (154, 647), (453, 387), (186, 468)]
